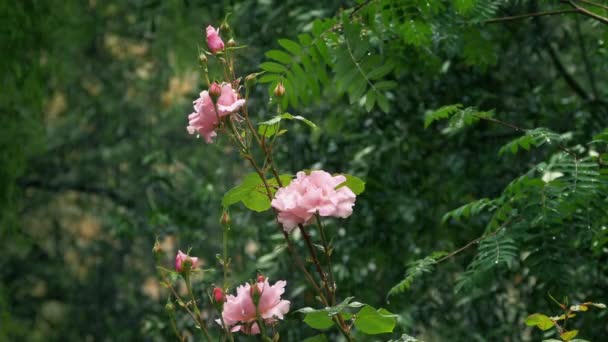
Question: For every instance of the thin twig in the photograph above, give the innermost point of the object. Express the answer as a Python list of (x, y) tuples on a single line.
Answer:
[(594, 4), (529, 15), (588, 13)]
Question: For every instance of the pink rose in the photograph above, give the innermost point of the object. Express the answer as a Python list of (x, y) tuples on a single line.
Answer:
[(181, 258), (298, 202), (229, 102), (214, 41), (240, 310), (204, 119)]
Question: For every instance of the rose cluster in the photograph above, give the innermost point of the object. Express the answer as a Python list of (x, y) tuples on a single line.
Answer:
[(308, 194)]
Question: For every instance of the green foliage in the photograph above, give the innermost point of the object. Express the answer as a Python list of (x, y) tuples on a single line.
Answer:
[(367, 320), (301, 66), (469, 209), (252, 192), (533, 137), (415, 270), (544, 322), (458, 118), (271, 127)]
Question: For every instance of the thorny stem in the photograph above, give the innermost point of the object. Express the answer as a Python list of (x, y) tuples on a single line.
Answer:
[(174, 329), (315, 259), (200, 320), (327, 257), (196, 319)]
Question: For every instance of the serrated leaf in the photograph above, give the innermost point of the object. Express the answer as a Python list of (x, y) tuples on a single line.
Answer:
[(371, 321)]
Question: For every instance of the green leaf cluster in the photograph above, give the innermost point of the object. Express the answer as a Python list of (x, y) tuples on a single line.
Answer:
[(365, 318)]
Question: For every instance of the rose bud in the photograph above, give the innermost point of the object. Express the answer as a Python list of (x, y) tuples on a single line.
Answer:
[(214, 41)]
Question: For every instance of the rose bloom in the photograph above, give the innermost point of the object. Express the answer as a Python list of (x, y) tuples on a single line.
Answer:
[(214, 41), (306, 195), (240, 311), (204, 119), (181, 257)]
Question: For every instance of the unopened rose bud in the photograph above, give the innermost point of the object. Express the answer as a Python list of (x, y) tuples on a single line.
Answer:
[(231, 43), (202, 58), (225, 219), (251, 80), (170, 308), (279, 91), (215, 91), (224, 26), (218, 295), (214, 42), (157, 249), (261, 278)]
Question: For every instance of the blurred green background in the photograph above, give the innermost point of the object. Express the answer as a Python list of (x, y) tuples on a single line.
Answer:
[(95, 162)]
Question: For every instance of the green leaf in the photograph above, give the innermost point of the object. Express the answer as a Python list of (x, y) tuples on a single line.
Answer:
[(290, 46), (568, 335), (385, 85), (380, 71), (270, 127), (279, 56), (539, 320), (382, 102), (269, 78), (318, 320), (464, 6), (441, 113), (416, 32), (371, 321), (355, 184), (273, 67)]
